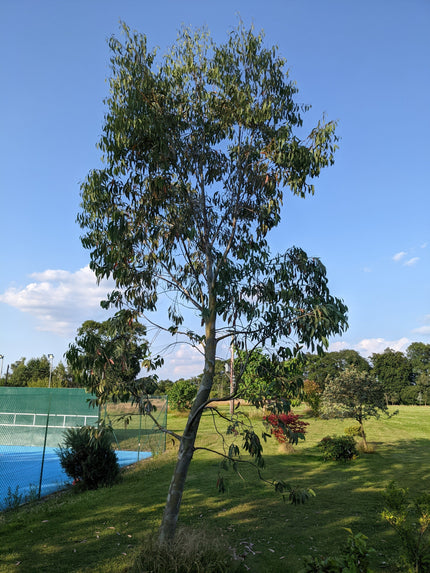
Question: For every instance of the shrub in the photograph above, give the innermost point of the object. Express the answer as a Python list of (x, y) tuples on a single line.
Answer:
[(313, 395), (13, 499), (353, 430), (287, 428), (353, 559), (190, 551), (182, 394), (410, 518), (338, 448), (88, 458)]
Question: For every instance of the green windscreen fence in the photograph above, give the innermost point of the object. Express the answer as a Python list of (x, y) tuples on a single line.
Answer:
[(39, 416)]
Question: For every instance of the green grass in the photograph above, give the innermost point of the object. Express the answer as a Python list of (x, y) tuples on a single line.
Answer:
[(100, 531)]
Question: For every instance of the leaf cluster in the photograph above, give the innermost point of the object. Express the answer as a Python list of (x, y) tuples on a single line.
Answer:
[(410, 518)]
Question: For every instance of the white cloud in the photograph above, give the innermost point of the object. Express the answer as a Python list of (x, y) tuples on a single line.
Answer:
[(369, 346), (59, 300), (426, 328), (422, 330), (399, 256), (337, 346), (411, 262), (184, 362)]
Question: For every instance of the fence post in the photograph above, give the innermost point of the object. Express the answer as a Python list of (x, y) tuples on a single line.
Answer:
[(44, 443)]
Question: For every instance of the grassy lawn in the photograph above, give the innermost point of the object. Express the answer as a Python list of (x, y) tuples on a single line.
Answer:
[(100, 531)]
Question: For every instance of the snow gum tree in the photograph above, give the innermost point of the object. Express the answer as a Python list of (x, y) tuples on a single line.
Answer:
[(199, 147)]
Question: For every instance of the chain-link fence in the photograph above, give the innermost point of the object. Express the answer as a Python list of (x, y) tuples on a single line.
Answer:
[(137, 428), (32, 423)]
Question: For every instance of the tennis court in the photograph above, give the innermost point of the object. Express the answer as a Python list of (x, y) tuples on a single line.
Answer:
[(21, 466), (32, 425)]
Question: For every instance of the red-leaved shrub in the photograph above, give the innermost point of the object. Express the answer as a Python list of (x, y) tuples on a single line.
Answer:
[(286, 427)]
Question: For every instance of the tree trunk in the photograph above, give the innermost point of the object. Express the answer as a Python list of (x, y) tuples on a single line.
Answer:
[(363, 435), (186, 448)]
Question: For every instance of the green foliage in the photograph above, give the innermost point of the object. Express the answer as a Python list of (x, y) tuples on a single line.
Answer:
[(312, 396), (35, 373), (88, 458), (192, 551), (265, 381), (354, 394), (163, 386), (13, 499), (394, 372), (221, 381), (199, 147), (409, 395), (410, 518), (322, 369), (106, 358), (338, 448), (353, 559), (182, 394), (418, 354), (353, 430)]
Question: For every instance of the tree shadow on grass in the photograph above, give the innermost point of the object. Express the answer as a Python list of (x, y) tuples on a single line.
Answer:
[(99, 531)]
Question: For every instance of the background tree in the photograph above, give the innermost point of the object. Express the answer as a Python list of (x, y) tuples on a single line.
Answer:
[(312, 396), (394, 371), (265, 381), (423, 386), (198, 151), (182, 394), (107, 357), (33, 373), (324, 368), (320, 370), (354, 394), (163, 386), (62, 376), (418, 354), (221, 381), (18, 376)]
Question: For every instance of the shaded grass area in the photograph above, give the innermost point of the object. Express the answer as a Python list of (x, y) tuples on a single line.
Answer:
[(100, 531)]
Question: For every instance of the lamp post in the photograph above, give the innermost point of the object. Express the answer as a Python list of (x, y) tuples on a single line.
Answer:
[(1, 367), (51, 358)]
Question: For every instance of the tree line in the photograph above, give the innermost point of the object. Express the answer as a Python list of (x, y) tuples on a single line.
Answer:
[(405, 377)]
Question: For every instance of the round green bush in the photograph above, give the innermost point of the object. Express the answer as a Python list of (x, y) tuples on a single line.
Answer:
[(88, 458), (353, 430), (182, 394), (338, 448)]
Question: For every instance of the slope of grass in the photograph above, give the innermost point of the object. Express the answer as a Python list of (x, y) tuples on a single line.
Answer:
[(100, 531)]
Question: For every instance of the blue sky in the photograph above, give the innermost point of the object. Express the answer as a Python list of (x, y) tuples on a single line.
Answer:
[(365, 64)]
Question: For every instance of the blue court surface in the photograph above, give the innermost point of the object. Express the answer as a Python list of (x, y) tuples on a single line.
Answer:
[(20, 466)]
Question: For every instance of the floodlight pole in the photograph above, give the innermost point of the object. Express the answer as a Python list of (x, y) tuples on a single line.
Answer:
[(1, 367), (51, 358)]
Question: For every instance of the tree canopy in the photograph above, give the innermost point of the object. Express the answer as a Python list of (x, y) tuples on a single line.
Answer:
[(35, 372), (199, 147), (107, 358), (394, 371), (354, 394)]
